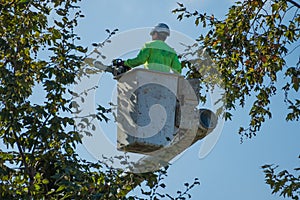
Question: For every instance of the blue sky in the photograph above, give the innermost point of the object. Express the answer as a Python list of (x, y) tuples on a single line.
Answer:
[(231, 170)]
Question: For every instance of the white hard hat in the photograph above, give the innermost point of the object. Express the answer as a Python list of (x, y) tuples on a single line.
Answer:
[(161, 28)]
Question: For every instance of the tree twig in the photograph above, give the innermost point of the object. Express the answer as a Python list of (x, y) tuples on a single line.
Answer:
[(294, 3)]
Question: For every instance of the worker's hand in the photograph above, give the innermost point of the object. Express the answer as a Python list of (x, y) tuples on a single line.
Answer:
[(121, 69), (118, 62)]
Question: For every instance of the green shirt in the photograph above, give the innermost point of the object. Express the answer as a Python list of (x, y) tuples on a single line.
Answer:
[(156, 55)]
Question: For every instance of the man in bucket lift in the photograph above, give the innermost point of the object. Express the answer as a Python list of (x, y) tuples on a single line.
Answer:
[(156, 54)]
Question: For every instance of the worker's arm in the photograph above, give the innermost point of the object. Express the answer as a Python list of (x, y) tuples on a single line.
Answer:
[(140, 59), (176, 65)]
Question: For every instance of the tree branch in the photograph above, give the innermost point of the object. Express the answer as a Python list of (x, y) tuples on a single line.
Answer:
[(27, 167), (36, 141), (294, 3)]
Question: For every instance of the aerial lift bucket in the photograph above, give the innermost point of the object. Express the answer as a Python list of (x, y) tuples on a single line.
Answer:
[(155, 109)]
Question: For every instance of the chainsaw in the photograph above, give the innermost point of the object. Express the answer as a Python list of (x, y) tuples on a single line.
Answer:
[(117, 68)]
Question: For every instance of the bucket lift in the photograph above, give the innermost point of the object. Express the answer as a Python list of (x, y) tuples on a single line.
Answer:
[(157, 112)]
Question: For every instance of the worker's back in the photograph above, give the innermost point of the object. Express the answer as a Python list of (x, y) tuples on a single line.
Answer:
[(161, 56), (156, 55)]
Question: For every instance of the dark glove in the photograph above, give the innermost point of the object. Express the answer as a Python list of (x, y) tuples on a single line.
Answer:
[(120, 70), (118, 62), (119, 67)]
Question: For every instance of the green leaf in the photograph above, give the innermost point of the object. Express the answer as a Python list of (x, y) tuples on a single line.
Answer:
[(45, 181), (56, 34), (23, 1), (60, 188)]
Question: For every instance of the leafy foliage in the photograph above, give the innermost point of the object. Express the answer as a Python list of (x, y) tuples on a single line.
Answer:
[(284, 183), (250, 49), (155, 191), (40, 160)]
